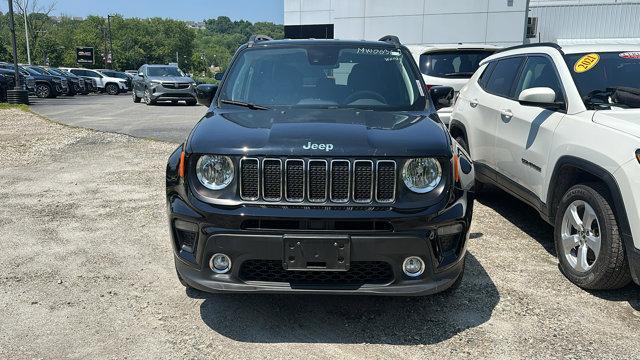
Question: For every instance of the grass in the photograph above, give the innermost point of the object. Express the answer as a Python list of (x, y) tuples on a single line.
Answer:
[(22, 107)]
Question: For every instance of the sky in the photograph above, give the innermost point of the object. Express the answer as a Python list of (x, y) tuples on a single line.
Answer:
[(252, 10)]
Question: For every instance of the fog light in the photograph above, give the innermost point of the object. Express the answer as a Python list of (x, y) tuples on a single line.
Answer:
[(450, 229), (413, 266), (220, 263)]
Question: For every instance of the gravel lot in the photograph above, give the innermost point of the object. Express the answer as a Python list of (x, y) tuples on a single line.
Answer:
[(87, 272)]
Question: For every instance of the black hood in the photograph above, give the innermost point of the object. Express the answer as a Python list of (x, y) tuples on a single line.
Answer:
[(309, 132)]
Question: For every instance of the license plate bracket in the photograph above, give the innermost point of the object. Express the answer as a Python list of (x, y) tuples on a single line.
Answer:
[(316, 252)]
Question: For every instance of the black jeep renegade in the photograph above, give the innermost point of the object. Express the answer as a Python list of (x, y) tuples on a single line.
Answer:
[(320, 167)]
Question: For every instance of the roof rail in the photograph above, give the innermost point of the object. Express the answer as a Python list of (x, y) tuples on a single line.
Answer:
[(257, 38), (391, 39), (524, 46)]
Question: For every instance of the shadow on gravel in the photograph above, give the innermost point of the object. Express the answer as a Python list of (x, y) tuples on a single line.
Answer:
[(352, 319), (630, 294), (519, 214)]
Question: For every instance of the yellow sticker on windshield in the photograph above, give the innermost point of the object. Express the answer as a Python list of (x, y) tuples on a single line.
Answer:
[(586, 63)]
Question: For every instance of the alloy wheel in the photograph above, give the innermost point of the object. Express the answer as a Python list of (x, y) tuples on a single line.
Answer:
[(580, 236), (43, 91)]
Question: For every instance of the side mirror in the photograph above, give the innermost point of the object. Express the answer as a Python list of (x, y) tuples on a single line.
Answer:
[(141, 75), (543, 97), (442, 96), (205, 94), (219, 76)]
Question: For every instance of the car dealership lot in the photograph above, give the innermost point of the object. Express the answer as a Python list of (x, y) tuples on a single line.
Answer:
[(87, 269), (120, 114)]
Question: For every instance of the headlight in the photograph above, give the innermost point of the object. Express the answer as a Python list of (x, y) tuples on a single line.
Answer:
[(422, 175), (156, 82), (57, 80), (215, 172)]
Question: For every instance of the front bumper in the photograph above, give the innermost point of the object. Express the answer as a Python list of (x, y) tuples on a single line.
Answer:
[(161, 93), (260, 247)]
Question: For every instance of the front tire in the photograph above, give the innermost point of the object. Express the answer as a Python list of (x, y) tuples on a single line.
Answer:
[(147, 98), (43, 91), (587, 239), (112, 89), (136, 99)]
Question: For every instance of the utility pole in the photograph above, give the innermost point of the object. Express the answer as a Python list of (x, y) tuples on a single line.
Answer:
[(26, 34), (107, 65), (110, 41), (17, 95)]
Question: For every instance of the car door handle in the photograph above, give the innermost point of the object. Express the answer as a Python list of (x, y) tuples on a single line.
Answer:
[(506, 113), (473, 103)]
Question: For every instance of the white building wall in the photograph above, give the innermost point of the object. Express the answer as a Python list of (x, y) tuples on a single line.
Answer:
[(587, 21), (416, 22)]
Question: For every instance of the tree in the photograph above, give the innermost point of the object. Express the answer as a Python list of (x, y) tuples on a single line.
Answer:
[(38, 19)]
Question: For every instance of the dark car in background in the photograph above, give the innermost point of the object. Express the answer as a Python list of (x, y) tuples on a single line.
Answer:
[(321, 167), (27, 78), (47, 85), (118, 74), (76, 83)]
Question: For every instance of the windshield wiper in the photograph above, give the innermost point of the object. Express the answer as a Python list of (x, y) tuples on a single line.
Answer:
[(244, 104), (460, 74)]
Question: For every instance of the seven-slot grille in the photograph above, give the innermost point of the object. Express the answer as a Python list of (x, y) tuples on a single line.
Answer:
[(318, 180)]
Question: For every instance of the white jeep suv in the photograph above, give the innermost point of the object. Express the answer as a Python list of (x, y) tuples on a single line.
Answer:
[(449, 65), (559, 128)]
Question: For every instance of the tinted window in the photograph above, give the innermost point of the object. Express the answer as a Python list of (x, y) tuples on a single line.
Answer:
[(164, 71), (606, 75), (78, 72), (327, 76), (486, 74), (503, 76), (452, 64), (539, 71)]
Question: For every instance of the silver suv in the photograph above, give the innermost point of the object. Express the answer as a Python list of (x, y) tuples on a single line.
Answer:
[(163, 83)]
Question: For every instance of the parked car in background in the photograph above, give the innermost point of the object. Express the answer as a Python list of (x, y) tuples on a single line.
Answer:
[(60, 83), (75, 82), (110, 85), (133, 73), (558, 127), (4, 86), (42, 85), (29, 80), (119, 75), (163, 83), (449, 65)]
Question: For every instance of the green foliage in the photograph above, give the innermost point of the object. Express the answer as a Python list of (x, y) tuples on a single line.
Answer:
[(135, 41)]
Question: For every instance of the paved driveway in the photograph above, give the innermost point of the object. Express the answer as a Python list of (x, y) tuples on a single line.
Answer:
[(121, 115)]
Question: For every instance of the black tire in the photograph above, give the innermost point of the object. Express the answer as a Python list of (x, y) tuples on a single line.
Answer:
[(136, 99), (611, 268), (112, 89), (478, 186), (43, 91)]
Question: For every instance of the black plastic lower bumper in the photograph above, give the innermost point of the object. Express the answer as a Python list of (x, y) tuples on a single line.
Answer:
[(373, 264)]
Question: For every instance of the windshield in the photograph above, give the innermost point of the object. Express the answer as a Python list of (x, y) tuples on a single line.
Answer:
[(606, 78), (459, 64), (325, 76), (56, 72), (164, 71), (39, 70)]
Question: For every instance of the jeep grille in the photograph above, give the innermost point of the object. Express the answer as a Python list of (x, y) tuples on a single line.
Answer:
[(318, 181)]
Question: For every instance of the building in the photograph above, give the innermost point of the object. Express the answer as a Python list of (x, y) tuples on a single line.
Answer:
[(498, 22), (584, 21), (415, 22)]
